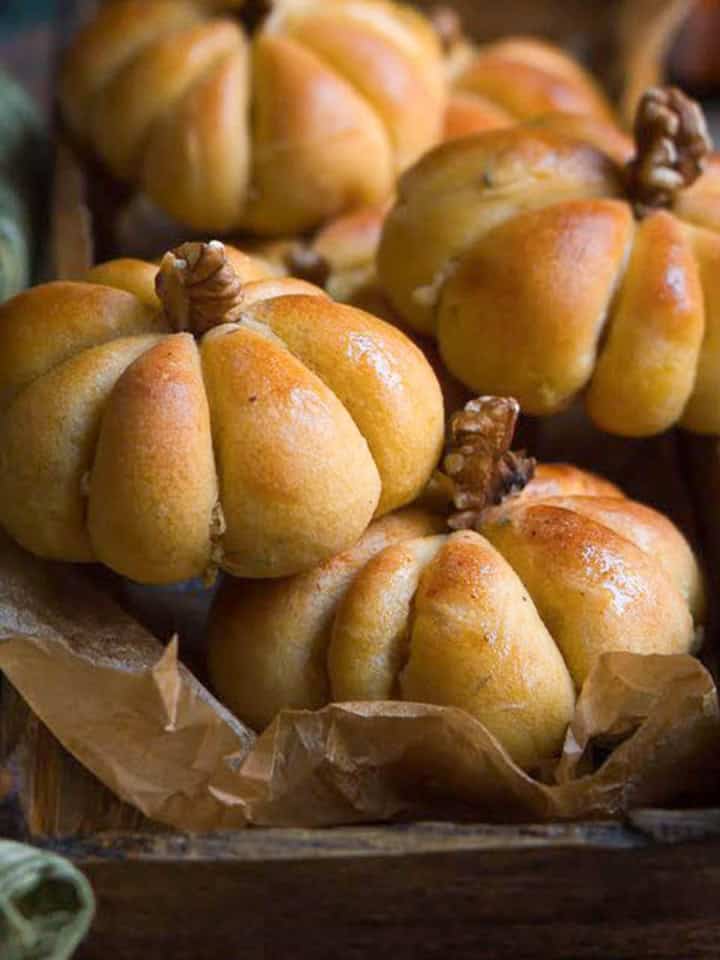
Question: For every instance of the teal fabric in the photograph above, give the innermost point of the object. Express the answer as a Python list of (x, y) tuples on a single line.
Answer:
[(46, 904), (24, 179), (20, 13)]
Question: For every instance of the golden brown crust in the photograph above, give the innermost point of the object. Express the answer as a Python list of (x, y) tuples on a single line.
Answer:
[(359, 358), (527, 78), (517, 251), (495, 622), (565, 480), (602, 134), (478, 643), (702, 411), (513, 273), (646, 369), (139, 277), (524, 79), (47, 447), (354, 44), (206, 136), (469, 113), (652, 533), (269, 639), (370, 640), (344, 96), (51, 323), (153, 486), (352, 240), (150, 84), (287, 448), (595, 591), (460, 191), (300, 176), (130, 424), (110, 40), (126, 273)]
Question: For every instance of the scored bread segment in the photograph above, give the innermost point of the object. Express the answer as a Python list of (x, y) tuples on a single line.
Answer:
[(201, 177), (380, 377), (51, 323), (280, 659), (286, 447), (43, 501), (505, 275), (595, 591), (153, 484), (646, 368), (478, 643)]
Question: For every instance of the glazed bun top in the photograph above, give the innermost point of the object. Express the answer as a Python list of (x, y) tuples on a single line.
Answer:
[(274, 125), (241, 420)]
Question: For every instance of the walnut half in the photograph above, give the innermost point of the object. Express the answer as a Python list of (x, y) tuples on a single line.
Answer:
[(479, 469), (672, 141), (198, 287)]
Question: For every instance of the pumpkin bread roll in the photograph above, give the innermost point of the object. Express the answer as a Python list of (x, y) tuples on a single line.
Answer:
[(235, 419), (545, 270), (272, 122), (512, 80), (286, 628), (341, 255), (527, 77), (504, 617)]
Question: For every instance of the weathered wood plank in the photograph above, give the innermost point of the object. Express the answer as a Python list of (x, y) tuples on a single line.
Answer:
[(71, 225), (394, 840), (675, 826), (653, 902)]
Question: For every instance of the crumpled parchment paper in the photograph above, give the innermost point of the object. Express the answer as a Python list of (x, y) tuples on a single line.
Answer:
[(646, 730)]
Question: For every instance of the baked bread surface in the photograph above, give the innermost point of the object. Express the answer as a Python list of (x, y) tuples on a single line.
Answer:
[(263, 447), (313, 113), (517, 250), (504, 622)]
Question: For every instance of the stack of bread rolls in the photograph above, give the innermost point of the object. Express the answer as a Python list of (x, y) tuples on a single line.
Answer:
[(222, 412)]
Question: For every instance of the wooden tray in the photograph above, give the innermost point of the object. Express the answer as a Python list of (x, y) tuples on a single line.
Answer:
[(648, 887)]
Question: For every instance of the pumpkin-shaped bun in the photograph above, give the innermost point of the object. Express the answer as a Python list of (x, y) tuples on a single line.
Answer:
[(516, 79), (504, 620), (247, 423), (521, 252), (312, 112)]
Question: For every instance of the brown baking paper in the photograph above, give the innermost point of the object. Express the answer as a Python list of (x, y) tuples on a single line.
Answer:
[(646, 730)]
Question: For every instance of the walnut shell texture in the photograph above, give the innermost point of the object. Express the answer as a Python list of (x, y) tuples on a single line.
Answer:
[(314, 113), (505, 622), (263, 447), (518, 252)]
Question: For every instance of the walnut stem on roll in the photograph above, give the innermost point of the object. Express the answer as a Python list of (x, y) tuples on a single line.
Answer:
[(447, 23), (198, 287), (479, 469), (306, 263), (672, 141)]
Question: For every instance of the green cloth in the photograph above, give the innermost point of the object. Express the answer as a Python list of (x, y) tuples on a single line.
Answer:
[(46, 904), (24, 175), (17, 13)]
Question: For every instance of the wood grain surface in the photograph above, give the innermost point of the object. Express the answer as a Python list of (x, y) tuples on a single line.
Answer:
[(442, 893)]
